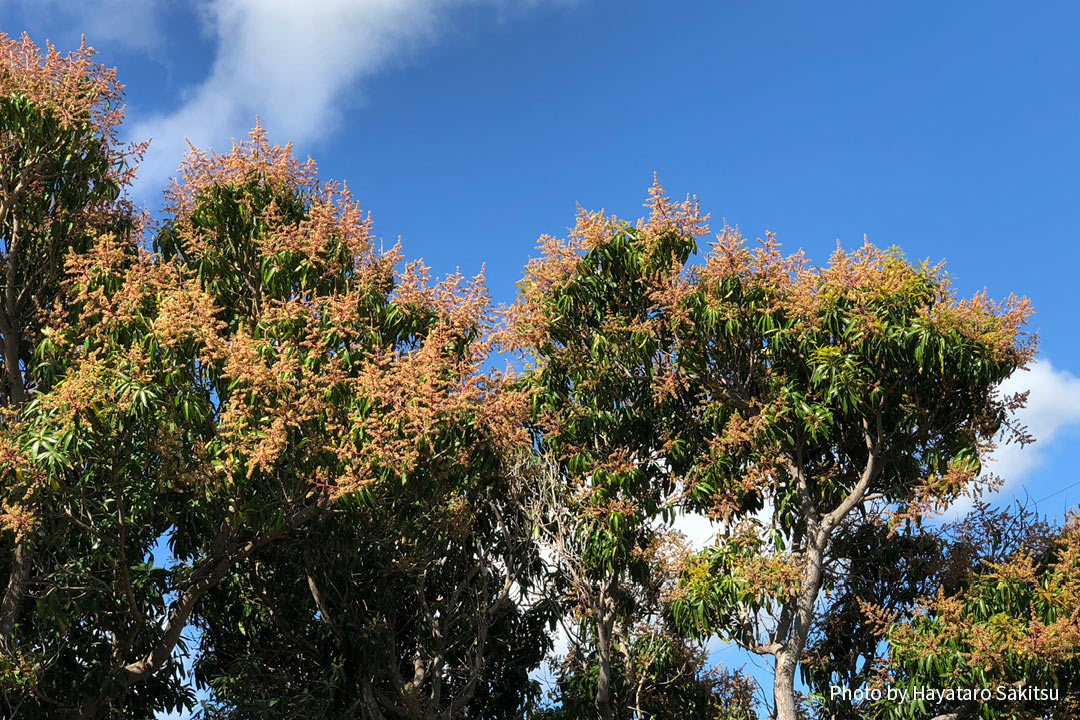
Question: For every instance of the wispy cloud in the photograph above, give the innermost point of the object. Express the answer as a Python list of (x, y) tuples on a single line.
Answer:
[(1053, 407), (134, 25), (292, 63)]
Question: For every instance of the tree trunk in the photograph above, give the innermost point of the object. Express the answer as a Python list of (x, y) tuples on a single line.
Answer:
[(13, 367), (787, 659), (13, 595), (604, 624), (20, 559), (787, 663)]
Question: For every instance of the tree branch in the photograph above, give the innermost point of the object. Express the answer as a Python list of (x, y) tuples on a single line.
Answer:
[(210, 574)]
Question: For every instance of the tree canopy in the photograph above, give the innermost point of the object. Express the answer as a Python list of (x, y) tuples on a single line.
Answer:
[(247, 450)]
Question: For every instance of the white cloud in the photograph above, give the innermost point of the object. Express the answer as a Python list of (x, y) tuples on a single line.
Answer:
[(698, 529), (135, 25), (291, 62), (1053, 406)]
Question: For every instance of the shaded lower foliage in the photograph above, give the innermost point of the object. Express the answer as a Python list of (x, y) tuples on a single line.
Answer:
[(654, 675), (414, 601), (1012, 626)]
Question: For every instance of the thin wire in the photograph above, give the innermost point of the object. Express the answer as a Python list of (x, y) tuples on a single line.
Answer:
[(1058, 492)]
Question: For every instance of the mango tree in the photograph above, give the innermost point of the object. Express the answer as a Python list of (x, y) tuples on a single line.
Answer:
[(857, 392)]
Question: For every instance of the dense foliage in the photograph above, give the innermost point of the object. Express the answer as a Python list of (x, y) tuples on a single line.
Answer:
[(246, 450), (1014, 626)]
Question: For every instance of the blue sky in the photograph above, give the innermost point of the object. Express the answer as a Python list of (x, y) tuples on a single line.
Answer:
[(470, 128)]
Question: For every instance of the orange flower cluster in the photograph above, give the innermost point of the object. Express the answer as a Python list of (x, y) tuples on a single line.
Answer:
[(559, 259), (1019, 613), (347, 371), (72, 88), (21, 478)]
